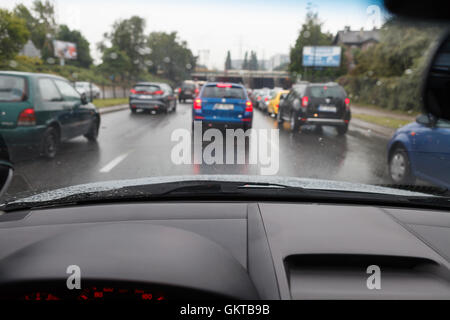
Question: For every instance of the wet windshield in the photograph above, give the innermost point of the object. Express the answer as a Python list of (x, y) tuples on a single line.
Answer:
[(148, 73)]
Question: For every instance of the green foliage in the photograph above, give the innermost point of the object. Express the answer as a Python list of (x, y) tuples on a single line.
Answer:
[(170, 57), (389, 73), (13, 34), (40, 22), (127, 36), (83, 54), (245, 63), (311, 35), (253, 63), (116, 64), (402, 46)]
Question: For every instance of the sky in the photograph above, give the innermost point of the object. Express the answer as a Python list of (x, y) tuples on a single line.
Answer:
[(212, 27)]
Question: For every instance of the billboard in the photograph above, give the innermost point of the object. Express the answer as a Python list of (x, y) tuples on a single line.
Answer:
[(321, 56), (65, 50)]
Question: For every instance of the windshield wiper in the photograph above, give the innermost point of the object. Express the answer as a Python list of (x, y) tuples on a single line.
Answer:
[(149, 192), (234, 191)]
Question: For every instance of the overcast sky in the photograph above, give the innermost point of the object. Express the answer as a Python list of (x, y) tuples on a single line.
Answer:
[(213, 27)]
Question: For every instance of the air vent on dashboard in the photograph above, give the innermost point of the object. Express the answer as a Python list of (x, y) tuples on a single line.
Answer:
[(351, 276)]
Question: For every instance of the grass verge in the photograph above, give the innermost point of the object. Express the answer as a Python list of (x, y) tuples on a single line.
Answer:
[(103, 103), (382, 121)]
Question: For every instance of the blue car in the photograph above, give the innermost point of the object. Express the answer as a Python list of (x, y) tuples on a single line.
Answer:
[(224, 105), (421, 150)]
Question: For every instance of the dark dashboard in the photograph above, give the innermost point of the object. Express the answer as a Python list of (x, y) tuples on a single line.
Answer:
[(159, 251)]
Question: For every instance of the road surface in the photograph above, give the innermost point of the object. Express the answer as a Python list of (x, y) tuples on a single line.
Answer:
[(139, 145)]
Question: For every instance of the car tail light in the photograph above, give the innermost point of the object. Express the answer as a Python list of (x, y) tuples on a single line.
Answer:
[(197, 104), (159, 92), (196, 90), (133, 91), (347, 103), (266, 99), (305, 100), (179, 90), (248, 106), (27, 118), (223, 85)]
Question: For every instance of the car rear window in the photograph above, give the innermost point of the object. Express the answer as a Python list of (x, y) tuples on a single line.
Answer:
[(227, 92), (12, 88), (146, 88), (188, 86), (326, 91)]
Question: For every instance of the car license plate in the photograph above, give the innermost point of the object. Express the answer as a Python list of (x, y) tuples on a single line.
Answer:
[(220, 106), (145, 97), (327, 108), (187, 92)]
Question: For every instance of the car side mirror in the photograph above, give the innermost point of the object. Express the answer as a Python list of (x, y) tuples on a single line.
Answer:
[(84, 99), (6, 168), (6, 174), (436, 84)]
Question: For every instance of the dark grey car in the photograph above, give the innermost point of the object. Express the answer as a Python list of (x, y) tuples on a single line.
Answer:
[(152, 96)]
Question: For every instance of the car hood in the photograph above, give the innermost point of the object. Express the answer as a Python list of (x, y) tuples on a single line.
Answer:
[(306, 183)]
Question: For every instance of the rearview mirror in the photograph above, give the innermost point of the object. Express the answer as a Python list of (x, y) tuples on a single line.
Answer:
[(436, 86)]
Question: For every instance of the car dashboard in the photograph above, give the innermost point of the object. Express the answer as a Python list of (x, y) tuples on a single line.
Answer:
[(157, 251)]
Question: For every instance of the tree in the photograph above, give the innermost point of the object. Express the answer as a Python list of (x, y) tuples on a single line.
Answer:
[(83, 53), (311, 35), (40, 23), (169, 57), (115, 65), (128, 37), (228, 65), (245, 63), (402, 46), (13, 34), (253, 64)]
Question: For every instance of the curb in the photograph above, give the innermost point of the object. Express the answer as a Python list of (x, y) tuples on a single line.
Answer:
[(112, 108), (371, 129)]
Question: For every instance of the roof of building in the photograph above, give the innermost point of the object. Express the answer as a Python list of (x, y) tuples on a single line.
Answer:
[(357, 37)]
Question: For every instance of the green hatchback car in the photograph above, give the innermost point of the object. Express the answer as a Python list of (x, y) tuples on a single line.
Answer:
[(38, 111)]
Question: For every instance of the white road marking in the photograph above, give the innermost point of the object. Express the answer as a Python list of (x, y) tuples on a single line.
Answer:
[(114, 162)]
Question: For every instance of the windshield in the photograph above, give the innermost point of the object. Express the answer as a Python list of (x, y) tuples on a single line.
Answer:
[(325, 91), (335, 93), (229, 92)]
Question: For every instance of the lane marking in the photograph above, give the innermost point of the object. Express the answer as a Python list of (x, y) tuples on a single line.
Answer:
[(108, 167)]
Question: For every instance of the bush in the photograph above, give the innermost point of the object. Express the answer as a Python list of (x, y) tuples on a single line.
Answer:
[(394, 93)]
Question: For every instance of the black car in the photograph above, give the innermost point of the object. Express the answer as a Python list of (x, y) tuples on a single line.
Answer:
[(320, 104), (152, 96), (188, 90)]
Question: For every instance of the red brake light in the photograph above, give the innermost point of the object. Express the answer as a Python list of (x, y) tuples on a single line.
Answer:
[(197, 103), (196, 90), (248, 106), (133, 91), (266, 99), (158, 92), (224, 85), (27, 118), (347, 103), (179, 90), (305, 100)]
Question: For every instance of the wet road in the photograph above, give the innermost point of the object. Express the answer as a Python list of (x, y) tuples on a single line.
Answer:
[(139, 145)]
